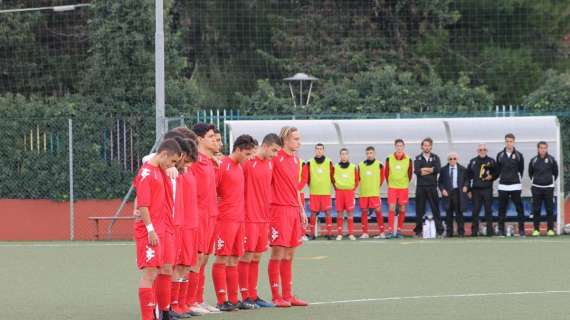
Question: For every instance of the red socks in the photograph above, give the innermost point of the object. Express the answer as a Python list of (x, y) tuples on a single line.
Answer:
[(201, 282), (147, 304), (286, 278), (243, 271), (328, 221), (219, 277), (163, 288), (339, 224), (174, 292), (401, 219), (364, 220), (274, 272), (192, 285), (380, 220), (313, 222), (351, 224), (183, 297), (252, 279), (391, 215), (232, 281)]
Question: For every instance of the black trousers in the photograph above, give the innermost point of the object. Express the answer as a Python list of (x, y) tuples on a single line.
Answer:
[(423, 195), (504, 197), (540, 196), (482, 198), (454, 208)]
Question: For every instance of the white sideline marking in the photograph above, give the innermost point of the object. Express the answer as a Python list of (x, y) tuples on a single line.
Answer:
[(64, 245), (443, 296)]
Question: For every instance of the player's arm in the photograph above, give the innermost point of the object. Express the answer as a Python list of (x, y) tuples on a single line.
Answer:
[(436, 165), (302, 214), (418, 169), (531, 168), (521, 164), (331, 173), (387, 169), (554, 169), (145, 216), (381, 174), (356, 178), (410, 171)]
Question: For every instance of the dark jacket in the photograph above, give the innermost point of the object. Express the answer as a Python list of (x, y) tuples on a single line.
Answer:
[(480, 168), (543, 172), (420, 162), (445, 183), (510, 169)]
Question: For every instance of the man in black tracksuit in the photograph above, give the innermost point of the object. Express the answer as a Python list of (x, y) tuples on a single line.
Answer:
[(426, 168), (480, 175), (543, 171), (510, 169)]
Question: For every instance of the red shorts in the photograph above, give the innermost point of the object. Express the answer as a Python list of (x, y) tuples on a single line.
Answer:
[(206, 235), (344, 200), (369, 202), (154, 257), (320, 203), (187, 253), (285, 227), (229, 239), (397, 196), (256, 237)]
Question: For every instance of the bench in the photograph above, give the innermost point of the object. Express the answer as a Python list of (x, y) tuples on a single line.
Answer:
[(97, 219)]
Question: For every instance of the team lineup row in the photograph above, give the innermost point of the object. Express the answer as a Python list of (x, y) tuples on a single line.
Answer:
[(191, 203), (458, 185)]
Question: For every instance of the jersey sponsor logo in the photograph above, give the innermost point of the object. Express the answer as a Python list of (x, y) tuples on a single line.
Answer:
[(220, 244), (145, 173), (150, 253), (274, 234)]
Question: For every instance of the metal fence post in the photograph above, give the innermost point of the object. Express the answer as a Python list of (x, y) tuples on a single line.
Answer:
[(71, 197)]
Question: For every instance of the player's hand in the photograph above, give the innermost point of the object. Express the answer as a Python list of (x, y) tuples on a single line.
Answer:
[(304, 219), (465, 189), (137, 214), (444, 193), (172, 173), (152, 239), (469, 195)]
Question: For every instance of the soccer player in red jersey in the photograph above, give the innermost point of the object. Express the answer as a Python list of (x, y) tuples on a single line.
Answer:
[(230, 229), (320, 173), (287, 219), (153, 242), (258, 174), (205, 174), (345, 183), (398, 172)]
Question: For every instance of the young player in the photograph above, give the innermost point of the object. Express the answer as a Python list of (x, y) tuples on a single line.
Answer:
[(154, 229), (345, 183), (258, 173), (287, 219), (398, 172), (371, 179), (205, 173), (230, 229), (320, 172)]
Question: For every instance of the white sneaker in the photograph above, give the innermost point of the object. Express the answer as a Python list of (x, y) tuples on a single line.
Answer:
[(380, 236), (198, 310), (351, 237), (209, 308), (338, 238), (364, 236), (305, 238)]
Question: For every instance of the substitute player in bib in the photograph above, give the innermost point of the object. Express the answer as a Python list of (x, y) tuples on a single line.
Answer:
[(345, 183), (230, 230), (205, 173), (320, 172), (153, 244), (287, 219), (371, 179), (398, 171), (258, 174)]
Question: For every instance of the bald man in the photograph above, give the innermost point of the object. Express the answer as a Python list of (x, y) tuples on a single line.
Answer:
[(481, 172)]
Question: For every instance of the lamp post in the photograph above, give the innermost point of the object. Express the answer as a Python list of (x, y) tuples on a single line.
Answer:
[(300, 78)]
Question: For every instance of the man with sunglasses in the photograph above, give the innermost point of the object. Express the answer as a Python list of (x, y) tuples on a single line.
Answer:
[(480, 177), (453, 186)]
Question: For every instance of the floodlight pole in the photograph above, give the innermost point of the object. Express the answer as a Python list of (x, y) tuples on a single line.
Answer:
[(159, 69)]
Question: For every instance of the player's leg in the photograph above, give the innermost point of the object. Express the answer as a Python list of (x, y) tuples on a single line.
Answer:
[(379, 218), (503, 203), (477, 196), (329, 223), (274, 272), (147, 300), (488, 204), (536, 208), (287, 279), (364, 217), (549, 204), (339, 224), (433, 199), (351, 224), (420, 209), (163, 282), (516, 197)]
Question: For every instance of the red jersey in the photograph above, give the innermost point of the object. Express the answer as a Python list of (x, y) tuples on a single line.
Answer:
[(231, 191), (152, 194), (190, 199), (258, 174), (285, 180), (204, 173)]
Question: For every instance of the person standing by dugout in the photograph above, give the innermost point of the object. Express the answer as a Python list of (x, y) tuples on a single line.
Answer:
[(510, 169), (426, 167), (480, 175), (543, 171)]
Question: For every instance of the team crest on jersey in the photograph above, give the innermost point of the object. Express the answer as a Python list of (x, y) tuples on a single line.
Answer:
[(274, 234), (220, 244), (398, 167), (145, 173), (244, 240), (368, 173), (546, 160), (319, 170), (150, 253)]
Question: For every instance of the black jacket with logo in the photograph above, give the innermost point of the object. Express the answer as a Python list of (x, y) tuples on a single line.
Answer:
[(480, 168), (510, 169), (432, 162), (543, 171)]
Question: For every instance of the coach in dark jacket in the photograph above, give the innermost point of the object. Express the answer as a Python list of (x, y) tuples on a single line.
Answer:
[(426, 168), (481, 173), (543, 171), (453, 186)]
